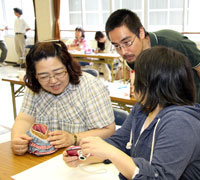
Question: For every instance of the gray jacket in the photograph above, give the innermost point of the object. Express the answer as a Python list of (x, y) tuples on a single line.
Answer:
[(177, 143)]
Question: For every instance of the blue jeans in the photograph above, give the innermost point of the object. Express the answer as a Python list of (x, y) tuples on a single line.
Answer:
[(4, 51)]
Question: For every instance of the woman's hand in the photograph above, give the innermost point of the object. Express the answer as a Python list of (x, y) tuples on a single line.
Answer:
[(101, 149), (60, 139), (20, 144), (96, 147), (71, 161)]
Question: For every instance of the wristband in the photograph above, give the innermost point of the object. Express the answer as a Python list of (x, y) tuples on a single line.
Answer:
[(75, 139)]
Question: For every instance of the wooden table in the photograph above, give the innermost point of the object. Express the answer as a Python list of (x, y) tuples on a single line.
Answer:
[(107, 58), (124, 103), (11, 164), (15, 91), (120, 95)]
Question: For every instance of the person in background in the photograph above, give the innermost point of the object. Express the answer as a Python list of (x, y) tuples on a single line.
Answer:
[(160, 137), (3, 47), (20, 28), (129, 37), (103, 46), (80, 43), (71, 103)]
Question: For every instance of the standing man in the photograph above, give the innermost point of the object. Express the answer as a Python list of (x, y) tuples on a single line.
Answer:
[(20, 28), (126, 32), (3, 47)]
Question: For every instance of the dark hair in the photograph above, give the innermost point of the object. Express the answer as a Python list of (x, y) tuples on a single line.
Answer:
[(54, 48), (80, 30), (164, 76), (99, 35), (17, 10), (124, 17)]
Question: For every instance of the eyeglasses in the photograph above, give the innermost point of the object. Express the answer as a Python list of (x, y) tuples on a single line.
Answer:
[(47, 77), (125, 44)]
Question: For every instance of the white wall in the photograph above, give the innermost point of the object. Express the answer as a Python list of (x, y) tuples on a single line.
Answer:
[(12, 55)]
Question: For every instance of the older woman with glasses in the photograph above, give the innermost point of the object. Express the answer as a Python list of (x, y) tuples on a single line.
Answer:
[(72, 104)]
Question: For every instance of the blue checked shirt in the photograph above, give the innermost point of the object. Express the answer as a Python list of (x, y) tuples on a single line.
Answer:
[(79, 108)]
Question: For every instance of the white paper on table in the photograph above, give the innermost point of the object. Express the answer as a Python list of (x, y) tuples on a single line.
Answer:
[(56, 169), (118, 89)]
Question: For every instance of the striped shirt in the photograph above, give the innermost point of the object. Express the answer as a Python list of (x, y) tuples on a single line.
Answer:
[(79, 108)]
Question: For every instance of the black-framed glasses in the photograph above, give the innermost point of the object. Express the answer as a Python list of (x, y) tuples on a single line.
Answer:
[(125, 44), (47, 77)]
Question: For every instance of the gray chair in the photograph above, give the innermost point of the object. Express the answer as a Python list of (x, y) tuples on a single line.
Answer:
[(94, 72), (120, 116)]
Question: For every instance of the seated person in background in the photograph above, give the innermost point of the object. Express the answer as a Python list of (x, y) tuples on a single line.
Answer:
[(71, 103), (103, 46), (160, 137), (79, 43)]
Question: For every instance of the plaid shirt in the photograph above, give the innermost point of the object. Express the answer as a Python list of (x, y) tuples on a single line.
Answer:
[(79, 108)]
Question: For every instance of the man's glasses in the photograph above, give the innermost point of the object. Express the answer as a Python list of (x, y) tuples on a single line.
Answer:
[(125, 44), (47, 77)]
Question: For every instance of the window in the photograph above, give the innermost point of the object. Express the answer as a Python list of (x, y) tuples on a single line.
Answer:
[(89, 14), (92, 15), (154, 14), (165, 13)]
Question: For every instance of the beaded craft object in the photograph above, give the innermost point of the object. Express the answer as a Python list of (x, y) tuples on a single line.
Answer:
[(39, 145)]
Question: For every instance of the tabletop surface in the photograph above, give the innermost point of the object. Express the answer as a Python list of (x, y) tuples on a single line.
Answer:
[(94, 55), (116, 90), (11, 164), (14, 80)]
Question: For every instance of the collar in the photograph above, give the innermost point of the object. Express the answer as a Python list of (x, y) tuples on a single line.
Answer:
[(153, 39), (132, 66), (70, 87)]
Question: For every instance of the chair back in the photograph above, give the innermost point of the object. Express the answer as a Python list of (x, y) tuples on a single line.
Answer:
[(93, 72), (120, 116)]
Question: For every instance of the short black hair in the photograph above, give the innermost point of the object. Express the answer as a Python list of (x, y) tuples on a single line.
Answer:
[(164, 76), (17, 10), (99, 35), (43, 50), (124, 17)]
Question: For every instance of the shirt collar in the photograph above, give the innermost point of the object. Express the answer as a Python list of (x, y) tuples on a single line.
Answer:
[(153, 39)]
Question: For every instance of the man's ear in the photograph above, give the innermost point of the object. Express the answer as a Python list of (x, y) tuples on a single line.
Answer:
[(142, 33)]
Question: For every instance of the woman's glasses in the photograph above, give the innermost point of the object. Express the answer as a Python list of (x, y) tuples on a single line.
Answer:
[(47, 77)]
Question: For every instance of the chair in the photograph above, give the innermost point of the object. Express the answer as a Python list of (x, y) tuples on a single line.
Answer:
[(120, 116), (93, 72)]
